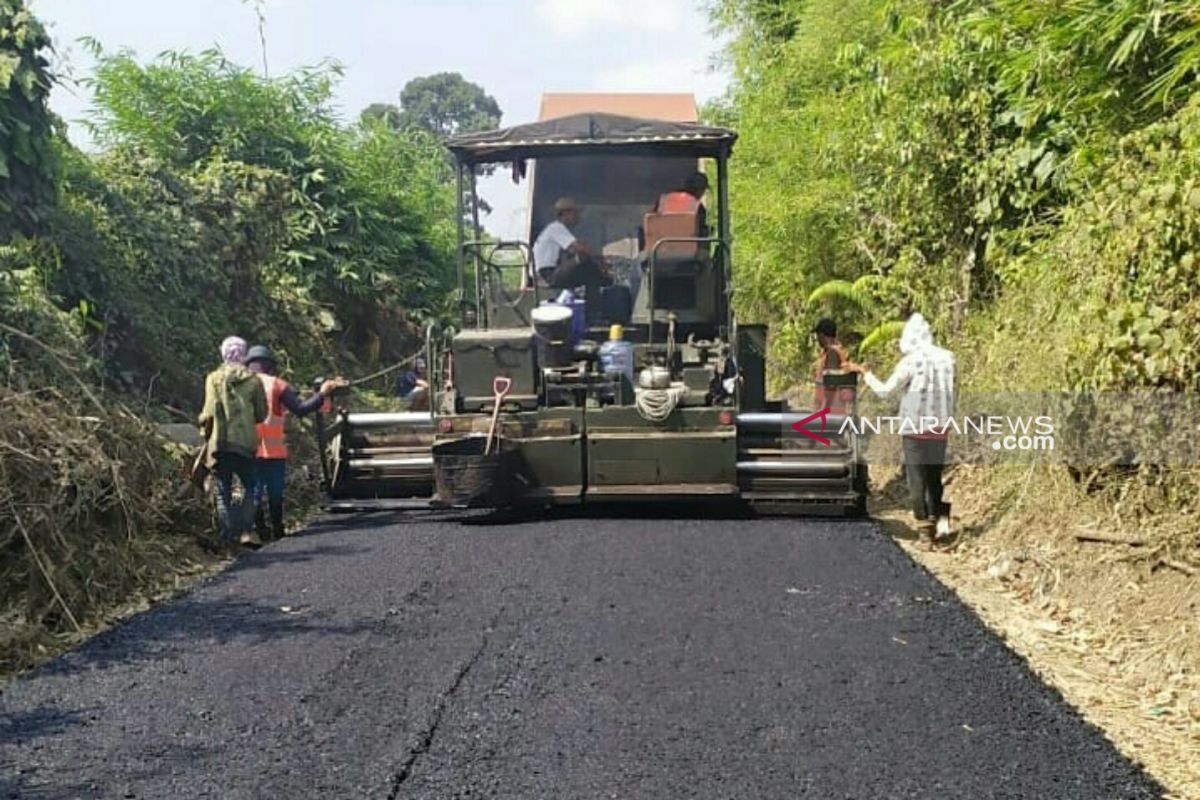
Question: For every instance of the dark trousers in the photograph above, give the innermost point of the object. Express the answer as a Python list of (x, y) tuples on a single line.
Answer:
[(604, 301), (234, 518), (924, 460), (272, 477)]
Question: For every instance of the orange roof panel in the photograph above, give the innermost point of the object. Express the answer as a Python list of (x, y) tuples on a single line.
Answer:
[(645, 105)]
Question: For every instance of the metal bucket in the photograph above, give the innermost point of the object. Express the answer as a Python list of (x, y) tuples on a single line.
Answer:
[(464, 477), (554, 353), (553, 325)]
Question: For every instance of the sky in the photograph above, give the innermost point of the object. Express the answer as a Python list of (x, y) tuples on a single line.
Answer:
[(515, 49)]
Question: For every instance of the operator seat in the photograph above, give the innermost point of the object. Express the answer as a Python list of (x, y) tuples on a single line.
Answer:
[(677, 265)]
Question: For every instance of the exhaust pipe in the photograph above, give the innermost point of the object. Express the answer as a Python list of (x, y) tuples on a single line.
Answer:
[(374, 420), (777, 423), (794, 469)]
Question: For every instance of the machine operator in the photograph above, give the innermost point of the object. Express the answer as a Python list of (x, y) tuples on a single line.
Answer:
[(562, 261)]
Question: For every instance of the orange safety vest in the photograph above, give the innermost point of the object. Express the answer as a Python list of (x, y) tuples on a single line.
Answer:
[(678, 203), (272, 441)]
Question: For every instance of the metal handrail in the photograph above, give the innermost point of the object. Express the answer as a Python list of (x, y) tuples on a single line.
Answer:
[(476, 246)]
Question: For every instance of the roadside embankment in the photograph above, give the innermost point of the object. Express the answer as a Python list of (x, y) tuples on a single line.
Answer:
[(94, 515), (97, 520)]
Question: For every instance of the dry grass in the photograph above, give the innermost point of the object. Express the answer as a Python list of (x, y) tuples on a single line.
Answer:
[(93, 512), (98, 522), (1110, 624)]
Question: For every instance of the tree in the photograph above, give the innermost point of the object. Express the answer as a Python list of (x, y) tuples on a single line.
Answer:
[(387, 113), (29, 160), (447, 104), (444, 105), (365, 213)]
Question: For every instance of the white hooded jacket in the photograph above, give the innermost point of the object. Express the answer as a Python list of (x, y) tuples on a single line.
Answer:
[(926, 373)]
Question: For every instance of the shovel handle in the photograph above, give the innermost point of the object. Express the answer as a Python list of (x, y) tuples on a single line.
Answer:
[(500, 386)]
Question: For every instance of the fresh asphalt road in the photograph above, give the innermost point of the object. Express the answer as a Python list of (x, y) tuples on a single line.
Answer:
[(422, 657)]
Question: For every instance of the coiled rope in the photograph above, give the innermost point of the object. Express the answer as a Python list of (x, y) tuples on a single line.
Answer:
[(655, 405)]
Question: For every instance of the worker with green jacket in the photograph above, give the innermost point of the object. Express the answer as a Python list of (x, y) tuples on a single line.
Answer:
[(234, 405)]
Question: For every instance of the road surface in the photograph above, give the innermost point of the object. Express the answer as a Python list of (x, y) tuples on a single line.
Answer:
[(389, 657)]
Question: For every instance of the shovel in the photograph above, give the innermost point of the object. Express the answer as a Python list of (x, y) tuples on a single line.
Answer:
[(500, 387)]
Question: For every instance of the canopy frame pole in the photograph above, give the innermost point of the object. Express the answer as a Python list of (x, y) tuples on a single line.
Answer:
[(480, 306), (461, 254)]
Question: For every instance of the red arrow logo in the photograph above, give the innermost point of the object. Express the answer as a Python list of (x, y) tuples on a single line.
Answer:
[(798, 427)]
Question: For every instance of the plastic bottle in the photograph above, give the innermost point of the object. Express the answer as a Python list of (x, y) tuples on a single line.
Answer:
[(616, 355)]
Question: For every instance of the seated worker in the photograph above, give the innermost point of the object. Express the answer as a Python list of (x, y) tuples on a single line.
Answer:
[(833, 358), (564, 262), (413, 386), (688, 200)]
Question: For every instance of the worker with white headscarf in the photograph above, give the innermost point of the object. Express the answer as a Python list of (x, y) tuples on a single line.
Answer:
[(234, 404), (926, 376)]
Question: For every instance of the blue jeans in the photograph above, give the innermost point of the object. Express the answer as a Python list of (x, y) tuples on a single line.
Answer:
[(233, 518), (272, 477)]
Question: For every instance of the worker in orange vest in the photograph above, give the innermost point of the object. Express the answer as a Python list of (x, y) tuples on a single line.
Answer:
[(688, 200), (271, 457)]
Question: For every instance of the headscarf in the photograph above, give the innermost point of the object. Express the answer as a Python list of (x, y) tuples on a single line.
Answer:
[(233, 350)]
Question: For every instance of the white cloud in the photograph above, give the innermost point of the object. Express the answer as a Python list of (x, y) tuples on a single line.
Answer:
[(678, 74), (587, 17)]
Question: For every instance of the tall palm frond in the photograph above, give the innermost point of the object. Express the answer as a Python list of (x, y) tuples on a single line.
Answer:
[(855, 293), (883, 333)]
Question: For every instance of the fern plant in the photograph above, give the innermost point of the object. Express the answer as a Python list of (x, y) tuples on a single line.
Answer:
[(881, 334), (862, 295)]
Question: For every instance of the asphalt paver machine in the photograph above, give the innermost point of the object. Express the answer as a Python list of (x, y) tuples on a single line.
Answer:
[(691, 423)]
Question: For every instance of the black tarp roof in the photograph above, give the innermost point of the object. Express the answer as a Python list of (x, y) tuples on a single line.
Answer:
[(590, 134)]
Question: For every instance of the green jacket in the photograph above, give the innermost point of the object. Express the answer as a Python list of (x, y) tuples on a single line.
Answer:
[(234, 404)]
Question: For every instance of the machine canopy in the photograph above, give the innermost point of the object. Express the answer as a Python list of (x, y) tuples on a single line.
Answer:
[(592, 133)]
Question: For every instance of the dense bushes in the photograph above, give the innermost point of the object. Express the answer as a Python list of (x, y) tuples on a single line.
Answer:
[(28, 156), (219, 202), (967, 155), (290, 225)]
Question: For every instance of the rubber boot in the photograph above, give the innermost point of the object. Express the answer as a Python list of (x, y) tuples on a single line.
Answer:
[(260, 524), (277, 529)]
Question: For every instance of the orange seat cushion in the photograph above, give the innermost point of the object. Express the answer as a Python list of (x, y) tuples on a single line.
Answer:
[(665, 226)]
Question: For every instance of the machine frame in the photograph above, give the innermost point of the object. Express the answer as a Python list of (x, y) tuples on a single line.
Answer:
[(580, 438)]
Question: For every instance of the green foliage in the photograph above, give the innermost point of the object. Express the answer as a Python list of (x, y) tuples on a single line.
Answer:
[(388, 114), (882, 334), (441, 105), (841, 290), (1140, 233), (947, 153), (447, 104), (364, 212), (27, 305), (223, 201), (168, 262), (29, 160), (1026, 173)]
